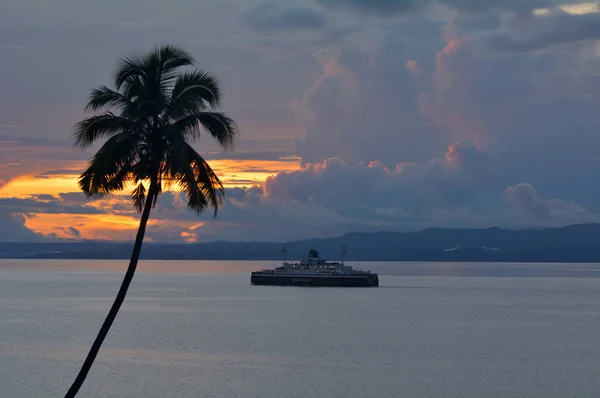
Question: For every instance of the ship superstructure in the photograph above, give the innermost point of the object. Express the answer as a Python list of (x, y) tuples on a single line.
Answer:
[(314, 270)]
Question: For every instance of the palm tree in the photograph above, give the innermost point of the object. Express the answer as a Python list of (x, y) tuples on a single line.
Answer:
[(149, 120)]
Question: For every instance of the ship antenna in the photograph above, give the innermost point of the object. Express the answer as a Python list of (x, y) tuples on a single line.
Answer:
[(343, 253), (284, 251)]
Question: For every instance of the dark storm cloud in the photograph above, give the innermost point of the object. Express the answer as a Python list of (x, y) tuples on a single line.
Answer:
[(384, 7), (396, 7), (60, 172), (271, 16), (248, 155), (543, 32), (44, 204)]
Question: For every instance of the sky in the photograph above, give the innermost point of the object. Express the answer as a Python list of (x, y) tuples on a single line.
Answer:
[(354, 115)]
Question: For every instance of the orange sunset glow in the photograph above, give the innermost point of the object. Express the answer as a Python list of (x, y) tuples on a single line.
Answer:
[(90, 226), (122, 224), (233, 173)]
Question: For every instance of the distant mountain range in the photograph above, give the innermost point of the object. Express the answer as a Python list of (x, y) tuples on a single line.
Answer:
[(575, 243)]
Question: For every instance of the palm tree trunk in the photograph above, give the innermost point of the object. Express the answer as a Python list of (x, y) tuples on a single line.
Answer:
[(112, 314)]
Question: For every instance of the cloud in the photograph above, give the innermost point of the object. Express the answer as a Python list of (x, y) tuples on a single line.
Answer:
[(61, 172), (14, 230), (65, 233), (77, 197), (396, 7), (413, 66), (249, 155), (7, 46), (329, 198), (533, 115), (446, 98), (415, 188), (364, 106), (274, 17), (44, 204), (383, 7), (43, 197), (540, 32), (337, 112), (528, 208), (247, 215)]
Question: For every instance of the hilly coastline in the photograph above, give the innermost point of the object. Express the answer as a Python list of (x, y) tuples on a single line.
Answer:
[(575, 243)]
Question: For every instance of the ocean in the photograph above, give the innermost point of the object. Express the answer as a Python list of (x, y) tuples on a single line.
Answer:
[(199, 329)]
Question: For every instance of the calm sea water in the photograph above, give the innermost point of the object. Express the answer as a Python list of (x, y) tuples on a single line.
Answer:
[(199, 329)]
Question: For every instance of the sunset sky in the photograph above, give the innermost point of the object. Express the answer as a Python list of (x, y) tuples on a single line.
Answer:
[(354, 115)]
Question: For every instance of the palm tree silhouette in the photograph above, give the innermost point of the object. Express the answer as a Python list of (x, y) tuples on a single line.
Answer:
[(149, 120)]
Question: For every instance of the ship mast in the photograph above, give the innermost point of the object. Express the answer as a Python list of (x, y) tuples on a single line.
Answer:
[(343, 253), (284, 251)]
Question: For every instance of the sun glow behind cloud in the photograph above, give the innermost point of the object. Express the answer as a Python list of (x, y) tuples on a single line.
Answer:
[(88, 226), (118, 227), (574, 9), (233, 173), (26, 186), (117, 219)]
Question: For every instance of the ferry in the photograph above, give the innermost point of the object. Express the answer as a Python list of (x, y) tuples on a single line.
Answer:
[(313, 270)]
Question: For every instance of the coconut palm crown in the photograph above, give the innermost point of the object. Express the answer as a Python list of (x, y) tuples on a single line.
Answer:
[(158, 107), (149, 120)]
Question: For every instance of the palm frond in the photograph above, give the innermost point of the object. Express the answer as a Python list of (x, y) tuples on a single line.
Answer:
[(197, 179), (178, 168), (129, 67), (135, 89), (199, 86), (93, 128), (218, 125), (111, 167), (138, 197), (191, 92), (104, 97), (175, 57), (169, 59), (101, 179), (206, 182)]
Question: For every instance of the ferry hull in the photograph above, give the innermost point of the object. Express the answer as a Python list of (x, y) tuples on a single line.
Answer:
[(371, 280)]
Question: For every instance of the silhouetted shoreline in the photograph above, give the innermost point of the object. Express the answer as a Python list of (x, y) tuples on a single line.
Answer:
[(575, 243)]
